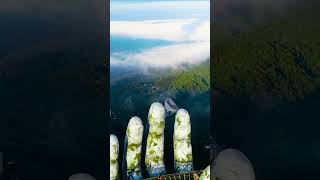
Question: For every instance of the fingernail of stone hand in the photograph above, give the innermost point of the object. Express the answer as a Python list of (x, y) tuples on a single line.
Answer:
[(205, 174), (114, 154), (155, 141), (134, 134), (182, 142)]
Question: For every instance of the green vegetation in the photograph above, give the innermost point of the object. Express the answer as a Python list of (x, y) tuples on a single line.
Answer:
[(131, 166), (137, 158), (189, 157), (154, 135), (281, 58), (133, 146), (156, 159), (194, 80), (161, 125), (178, 121), (114, 161)]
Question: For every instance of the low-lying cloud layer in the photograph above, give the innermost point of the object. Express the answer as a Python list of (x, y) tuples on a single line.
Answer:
[(166, 56), (185, 25), (191, 38), (170, 30)]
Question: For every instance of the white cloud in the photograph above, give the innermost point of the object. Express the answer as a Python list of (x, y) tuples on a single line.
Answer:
[(193, 39), (190, 35), (172, 56), (171, 30), (201, 32)]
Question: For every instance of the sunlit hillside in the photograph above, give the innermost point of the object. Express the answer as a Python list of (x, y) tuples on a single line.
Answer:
[(193, 80)]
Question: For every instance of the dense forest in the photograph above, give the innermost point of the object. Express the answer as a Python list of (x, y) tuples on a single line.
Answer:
[(279, 58), (191, 80)]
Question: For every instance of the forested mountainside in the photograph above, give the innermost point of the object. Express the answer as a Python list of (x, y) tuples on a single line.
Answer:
[(280, 57), (192, 80)]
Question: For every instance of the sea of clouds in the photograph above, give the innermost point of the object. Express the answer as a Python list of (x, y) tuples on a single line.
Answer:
[(189, 36)]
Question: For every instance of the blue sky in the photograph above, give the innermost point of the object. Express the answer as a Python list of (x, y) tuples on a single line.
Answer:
[(159, 33), (151, 10)]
